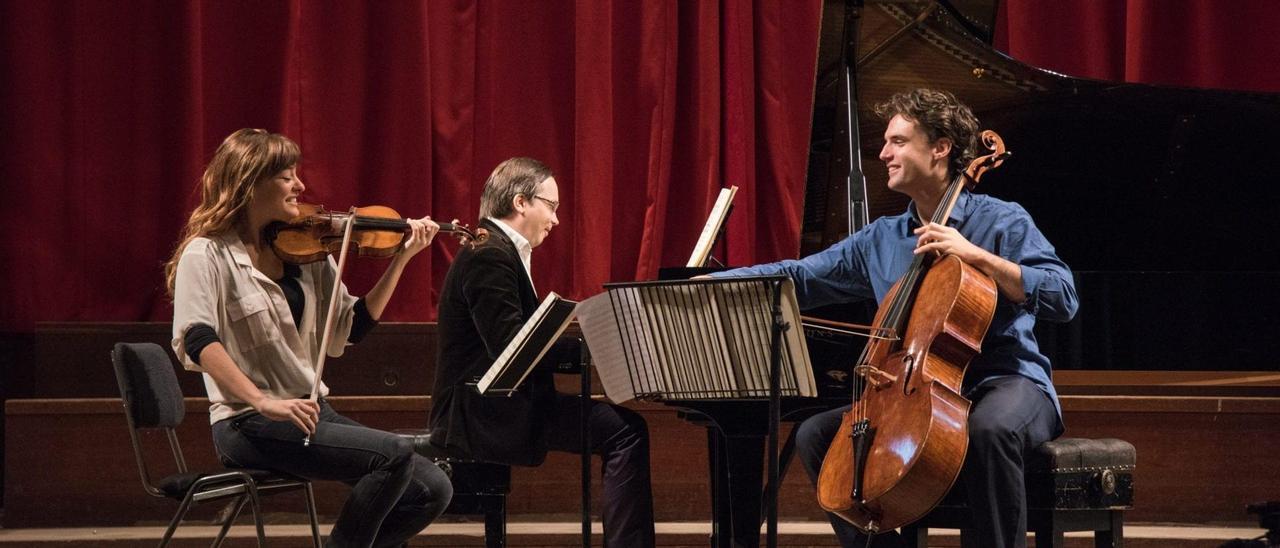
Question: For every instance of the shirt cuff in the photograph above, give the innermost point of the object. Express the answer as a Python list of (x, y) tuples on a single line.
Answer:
[(196, 338), (362, 324), (1032, 279)]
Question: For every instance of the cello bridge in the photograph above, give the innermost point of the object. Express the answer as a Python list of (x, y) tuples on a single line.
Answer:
[(878, 378)]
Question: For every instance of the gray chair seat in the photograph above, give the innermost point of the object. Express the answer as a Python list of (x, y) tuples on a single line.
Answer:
[(176, 486), (152, 401)]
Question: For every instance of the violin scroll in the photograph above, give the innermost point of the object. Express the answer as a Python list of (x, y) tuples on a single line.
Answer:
[(466, 236)]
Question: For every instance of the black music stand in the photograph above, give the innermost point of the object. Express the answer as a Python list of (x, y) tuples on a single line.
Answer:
[(525, 351), (528, 347), (663, 341)]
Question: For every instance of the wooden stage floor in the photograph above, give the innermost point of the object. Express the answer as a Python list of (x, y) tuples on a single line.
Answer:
[(539, 534)]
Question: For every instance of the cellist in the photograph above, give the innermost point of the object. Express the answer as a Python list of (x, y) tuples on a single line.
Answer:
[(930, 139)]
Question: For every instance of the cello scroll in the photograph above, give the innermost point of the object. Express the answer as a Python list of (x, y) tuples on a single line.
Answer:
[(980, 165)]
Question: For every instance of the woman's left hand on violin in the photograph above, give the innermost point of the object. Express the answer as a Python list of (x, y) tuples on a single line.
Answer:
[(423, 231), (933, 237)]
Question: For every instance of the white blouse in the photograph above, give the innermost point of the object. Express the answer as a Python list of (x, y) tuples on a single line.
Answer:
[(217, 285)]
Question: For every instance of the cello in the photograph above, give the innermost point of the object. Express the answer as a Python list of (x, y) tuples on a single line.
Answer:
[(902, 443)]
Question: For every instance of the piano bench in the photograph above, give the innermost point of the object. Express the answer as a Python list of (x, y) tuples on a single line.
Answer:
[(1073, 484), (479, 488)]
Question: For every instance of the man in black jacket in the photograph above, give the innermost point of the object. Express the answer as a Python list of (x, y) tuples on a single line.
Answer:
[(487, 295)]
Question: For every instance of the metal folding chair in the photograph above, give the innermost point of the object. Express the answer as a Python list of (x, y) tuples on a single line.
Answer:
[(153, 401)]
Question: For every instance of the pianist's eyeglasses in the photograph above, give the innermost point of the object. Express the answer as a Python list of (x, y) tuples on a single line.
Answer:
[(553, 204)]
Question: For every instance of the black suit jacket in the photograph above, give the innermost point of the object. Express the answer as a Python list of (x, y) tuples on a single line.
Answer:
[(486, 297)]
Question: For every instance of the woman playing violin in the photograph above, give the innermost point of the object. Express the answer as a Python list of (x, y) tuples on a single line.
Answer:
[(251, 324)]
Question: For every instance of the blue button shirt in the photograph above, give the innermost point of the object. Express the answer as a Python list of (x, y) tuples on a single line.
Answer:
[(866, 264)]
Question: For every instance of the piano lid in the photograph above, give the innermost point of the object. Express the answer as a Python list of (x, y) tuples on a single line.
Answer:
[(1160, 198), (1099, 165)]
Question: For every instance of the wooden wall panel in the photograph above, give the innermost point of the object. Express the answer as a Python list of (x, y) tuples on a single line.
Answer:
[(1200, 459), (72, 360), (1206, 443), (69, 462), (88, 441)]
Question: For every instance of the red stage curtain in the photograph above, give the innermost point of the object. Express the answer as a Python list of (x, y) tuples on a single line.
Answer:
[(643, 109), (1191, 43)]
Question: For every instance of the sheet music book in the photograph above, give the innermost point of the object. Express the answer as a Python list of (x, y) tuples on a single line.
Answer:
[(603, 332), (693, 339), (709, 231), (528, 346)]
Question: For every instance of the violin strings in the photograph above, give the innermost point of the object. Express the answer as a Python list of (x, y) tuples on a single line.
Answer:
[(383, 223)]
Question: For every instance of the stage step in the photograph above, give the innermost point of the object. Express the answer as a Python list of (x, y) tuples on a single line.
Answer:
[(560, 534)]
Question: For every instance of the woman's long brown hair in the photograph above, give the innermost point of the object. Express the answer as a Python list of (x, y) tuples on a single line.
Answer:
[(244, 159)]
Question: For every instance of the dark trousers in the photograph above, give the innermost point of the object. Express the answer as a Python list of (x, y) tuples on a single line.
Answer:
[(1010, 417), (395, 492), (621, 438)]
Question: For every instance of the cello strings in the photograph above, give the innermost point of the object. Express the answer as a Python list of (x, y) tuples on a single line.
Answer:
[(895, 318)]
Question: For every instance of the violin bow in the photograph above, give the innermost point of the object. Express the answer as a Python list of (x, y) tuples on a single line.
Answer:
[(328, 320)]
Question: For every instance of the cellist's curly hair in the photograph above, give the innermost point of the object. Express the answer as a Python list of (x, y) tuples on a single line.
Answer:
[(940, 115), (244, 159)]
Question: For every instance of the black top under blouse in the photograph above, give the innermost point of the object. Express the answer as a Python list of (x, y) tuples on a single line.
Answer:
[(201, 335)]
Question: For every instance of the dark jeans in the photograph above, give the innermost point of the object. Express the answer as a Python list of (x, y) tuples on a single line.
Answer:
[(395, 492), (1010, 417), (621, 438)]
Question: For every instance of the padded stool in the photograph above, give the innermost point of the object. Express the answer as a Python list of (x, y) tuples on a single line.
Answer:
[(1073, 484), (479, 488)]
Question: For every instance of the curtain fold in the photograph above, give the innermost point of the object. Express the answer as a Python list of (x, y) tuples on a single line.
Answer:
[(642, 109), (1190, 43)]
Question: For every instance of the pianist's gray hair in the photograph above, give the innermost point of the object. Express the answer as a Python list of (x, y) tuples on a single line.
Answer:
[(940, 115), (515, 177)]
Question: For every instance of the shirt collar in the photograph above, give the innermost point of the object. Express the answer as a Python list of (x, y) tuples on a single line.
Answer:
[(241, 255), (958, 213), (523, 247), (522, 243)]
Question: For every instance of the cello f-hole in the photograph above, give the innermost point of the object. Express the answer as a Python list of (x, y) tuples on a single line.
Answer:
[(909, 361)]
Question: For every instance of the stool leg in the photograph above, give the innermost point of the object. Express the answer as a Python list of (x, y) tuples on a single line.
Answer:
[(1049, 537), (915, 536), (1113, 537), (495, 524)]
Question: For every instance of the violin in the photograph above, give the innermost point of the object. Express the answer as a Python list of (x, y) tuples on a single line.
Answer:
[(377, 231), (316, 233)]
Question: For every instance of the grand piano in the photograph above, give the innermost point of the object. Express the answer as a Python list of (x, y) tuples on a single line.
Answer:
[(1156, 196)]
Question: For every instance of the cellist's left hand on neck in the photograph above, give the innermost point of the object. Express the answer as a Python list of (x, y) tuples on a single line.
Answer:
[(944, 240)]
